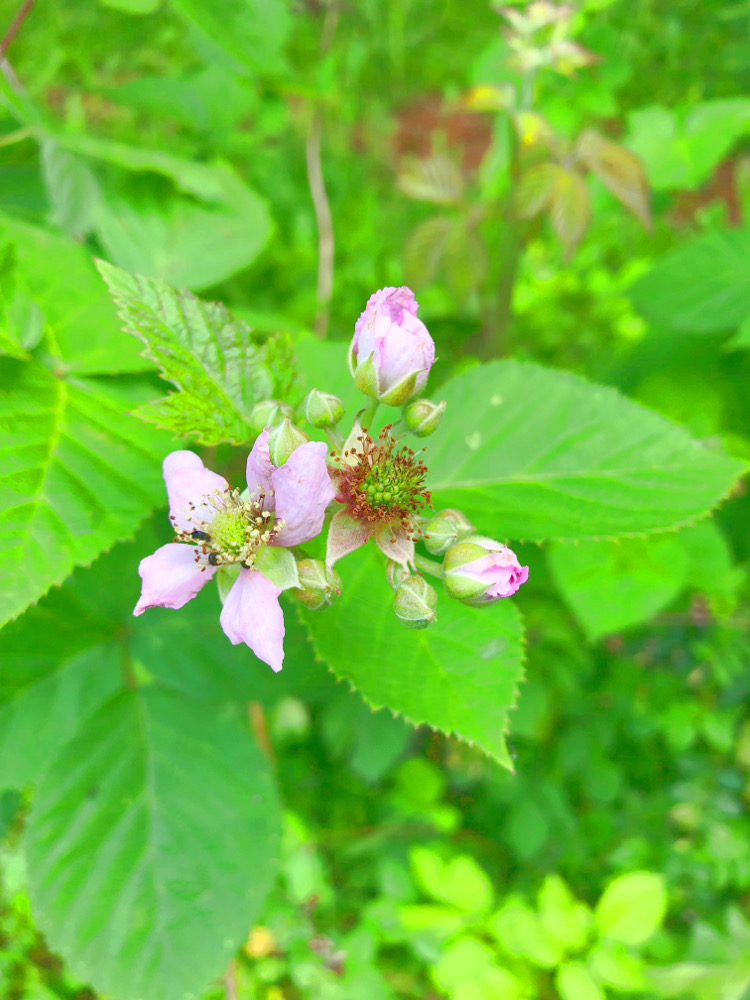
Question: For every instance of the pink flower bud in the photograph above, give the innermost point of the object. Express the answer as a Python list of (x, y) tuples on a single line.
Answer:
[(391, 353), (480, 570)]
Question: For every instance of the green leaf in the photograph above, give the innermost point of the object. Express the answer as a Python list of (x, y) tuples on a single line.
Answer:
[(619, 170), (219, 365), (436, 178), (133, 6), (251, 33), (574, 982), (460, 882), (459, 676), (78, 475), (185, 243), (632, 907), (520, 933), (701, 287), (152, 843), (72, 189), (59, 276), (741, 340), (527, 452), (614, 585)]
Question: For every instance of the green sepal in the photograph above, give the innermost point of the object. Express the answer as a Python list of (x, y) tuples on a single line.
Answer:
[(277, 565), (366, 378), (402, 392)]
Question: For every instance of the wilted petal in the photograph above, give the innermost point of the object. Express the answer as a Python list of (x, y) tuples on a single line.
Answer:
[(303, 490), (345, 534), (394, 542), (171, 577), (252, 614), (259, 469), (188, 481)]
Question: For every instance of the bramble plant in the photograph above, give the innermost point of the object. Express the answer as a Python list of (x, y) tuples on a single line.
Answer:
[(348, 652)]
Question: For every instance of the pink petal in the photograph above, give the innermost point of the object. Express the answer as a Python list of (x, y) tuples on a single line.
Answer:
[(345, 534), (395, 543), (252, 614), (188, 481), (303, 491), (171, 577), (259, 469)]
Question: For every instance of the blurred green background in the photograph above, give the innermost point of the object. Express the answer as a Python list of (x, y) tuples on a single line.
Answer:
[(567, 184)]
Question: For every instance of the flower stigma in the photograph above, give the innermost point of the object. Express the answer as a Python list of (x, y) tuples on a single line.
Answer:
[(235, 532), (378, 481)]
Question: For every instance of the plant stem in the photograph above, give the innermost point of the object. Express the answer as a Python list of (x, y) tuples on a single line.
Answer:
[(16, 23), (428, 566), (369, 414), (335, 437)]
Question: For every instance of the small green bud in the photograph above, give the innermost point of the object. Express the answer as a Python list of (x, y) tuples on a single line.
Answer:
[(414, 603), (422, 416), (395, 574), (446, 527), (268, 413), (283, 440), (319, 585), (323, 409)]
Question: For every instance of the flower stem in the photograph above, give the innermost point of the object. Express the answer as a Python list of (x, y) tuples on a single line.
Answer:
[(369, 414), (335, 437), (428, 566)]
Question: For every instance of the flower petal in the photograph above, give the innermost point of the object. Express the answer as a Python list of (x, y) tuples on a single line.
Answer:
[(394, 542), (188, 481), (303, 490), (252, 614), (171, 577), (345, 534), (259, 468)]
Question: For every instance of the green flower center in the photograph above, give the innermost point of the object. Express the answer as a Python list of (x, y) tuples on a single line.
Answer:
[(236, 532)]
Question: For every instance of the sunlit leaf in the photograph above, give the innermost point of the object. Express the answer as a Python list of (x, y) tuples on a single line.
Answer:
[(570, 209), (619, 170), (536, 189), (436, 178)]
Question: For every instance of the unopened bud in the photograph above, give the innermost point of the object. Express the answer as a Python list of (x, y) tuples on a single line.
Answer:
[(422, 417), (480, 570), (414, 603), (268, 413), (395, 574), (319, 585), (446, 527), (323, 409), (284, 439)]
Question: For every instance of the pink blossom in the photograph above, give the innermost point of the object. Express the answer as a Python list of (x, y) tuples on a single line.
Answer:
[(480, 570), (223, 528), (392, 352)]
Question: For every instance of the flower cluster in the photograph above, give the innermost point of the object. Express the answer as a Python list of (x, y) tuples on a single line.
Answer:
[(366, 487)]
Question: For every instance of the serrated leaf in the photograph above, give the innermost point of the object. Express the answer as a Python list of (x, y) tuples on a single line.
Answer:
[(459, 676), (216, 361), (532, 453), (152, 844), (619, 170), (535, 189), (569, 209), (436, 178), (78, 474), (701, 287), (615, 585), (59, 276)]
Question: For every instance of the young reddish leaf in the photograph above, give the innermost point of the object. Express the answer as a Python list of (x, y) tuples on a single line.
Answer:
[(536, 189), (570, 209), (620, 170)]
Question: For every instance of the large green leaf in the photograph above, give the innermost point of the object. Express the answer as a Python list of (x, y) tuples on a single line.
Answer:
[(77, 474), (459, 676), (613, 585), (216, 361), (65, 656), (537, 454), (152, 844), (702, 287), (59, 277)]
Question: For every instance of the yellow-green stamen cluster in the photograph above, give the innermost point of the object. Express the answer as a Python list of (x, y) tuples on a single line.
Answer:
[(235, 533)]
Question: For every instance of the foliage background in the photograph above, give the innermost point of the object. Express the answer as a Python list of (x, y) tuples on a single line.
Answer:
[(179, 140)]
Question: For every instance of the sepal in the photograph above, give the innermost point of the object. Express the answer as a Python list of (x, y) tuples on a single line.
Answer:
[(283, 440), (414, 603), (423, 417), (319, 585), (279, 566)]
